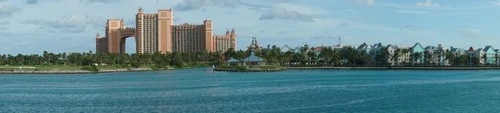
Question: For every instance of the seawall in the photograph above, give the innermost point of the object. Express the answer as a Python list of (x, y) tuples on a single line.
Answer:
[(392, 68)]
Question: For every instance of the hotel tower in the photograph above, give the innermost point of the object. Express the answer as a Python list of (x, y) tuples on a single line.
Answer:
[(156, 33)]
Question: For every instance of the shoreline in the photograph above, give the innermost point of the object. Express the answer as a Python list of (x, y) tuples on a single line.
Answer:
[(284, 69), (392, 68), (75, 71), (250, 70)]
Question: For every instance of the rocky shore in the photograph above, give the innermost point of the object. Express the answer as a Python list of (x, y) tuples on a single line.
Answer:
[(249, 70), (264, 68)]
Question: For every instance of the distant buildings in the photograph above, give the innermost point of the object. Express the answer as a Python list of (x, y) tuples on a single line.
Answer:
[(489, 55), (435, 55), (156, 32), (224, 42), (417, 52), (394, 55), (192, 38), (398, 54)]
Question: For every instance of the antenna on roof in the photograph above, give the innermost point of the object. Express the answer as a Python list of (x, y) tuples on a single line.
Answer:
[(340, 41)]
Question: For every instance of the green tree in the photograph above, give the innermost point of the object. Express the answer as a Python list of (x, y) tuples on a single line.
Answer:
[(427, 57), (311, 58), (240, 55), (382, 56)]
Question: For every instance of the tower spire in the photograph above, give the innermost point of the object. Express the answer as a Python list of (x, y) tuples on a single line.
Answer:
[(140, 10)]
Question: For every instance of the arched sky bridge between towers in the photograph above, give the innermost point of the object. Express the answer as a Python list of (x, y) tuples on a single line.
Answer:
[(127, 33), (115, 38)]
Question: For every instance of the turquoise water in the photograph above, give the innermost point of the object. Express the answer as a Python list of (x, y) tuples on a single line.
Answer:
[(289, 91)]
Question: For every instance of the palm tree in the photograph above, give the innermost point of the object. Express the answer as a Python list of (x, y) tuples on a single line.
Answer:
[(286, 58), (484, 58), (427, 57), (415, 57), (275, 54), (395, 56), (382, 56), (229, 53), (439, 53), (451, 57), (326, 55), (496, 58), (312, 58), (240, 55)]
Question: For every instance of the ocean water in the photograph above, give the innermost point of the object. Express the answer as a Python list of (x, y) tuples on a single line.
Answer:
[(200, 91)]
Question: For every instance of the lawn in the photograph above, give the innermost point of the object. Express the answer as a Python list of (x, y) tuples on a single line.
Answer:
[(43, 68), (60, 67)]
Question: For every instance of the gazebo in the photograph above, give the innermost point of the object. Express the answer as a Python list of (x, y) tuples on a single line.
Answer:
[(254, 60)]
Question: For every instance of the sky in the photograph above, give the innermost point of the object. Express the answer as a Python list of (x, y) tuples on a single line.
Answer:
[(32, 26)]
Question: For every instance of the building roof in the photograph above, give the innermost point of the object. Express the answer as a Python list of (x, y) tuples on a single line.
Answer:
[(457, 49), (286, 48), (430, 47), (232, 60), (433, 48), (317, 49), (253, 58), (417, 45), (452, 49), (487, 48), (363, 46), (377, 45), (471, 49)]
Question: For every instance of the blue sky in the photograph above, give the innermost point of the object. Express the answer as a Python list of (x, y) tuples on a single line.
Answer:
[(32, 26)]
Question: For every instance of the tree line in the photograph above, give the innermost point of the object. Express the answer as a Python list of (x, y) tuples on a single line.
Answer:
[(349, 56), (157, 60), (303, 56)]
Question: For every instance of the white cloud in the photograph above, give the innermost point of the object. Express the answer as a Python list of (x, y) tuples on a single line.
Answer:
[(497, 3), (72, 24), (428, 3), (100, 1), (411, 12), (189, 5), (365, 2), (8, 10), (31, 1), (279, 13), (301, 8), (471, 33)]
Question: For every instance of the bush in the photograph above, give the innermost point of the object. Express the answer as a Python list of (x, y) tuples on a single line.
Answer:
[(156, 67), (234, 68), (241, 68), (92, 68)]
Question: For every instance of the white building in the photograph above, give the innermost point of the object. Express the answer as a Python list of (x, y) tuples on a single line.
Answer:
[(401, 58), (437, 55)]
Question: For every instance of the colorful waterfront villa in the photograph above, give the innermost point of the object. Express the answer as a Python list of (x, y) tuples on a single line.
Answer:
[(417, 53)]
